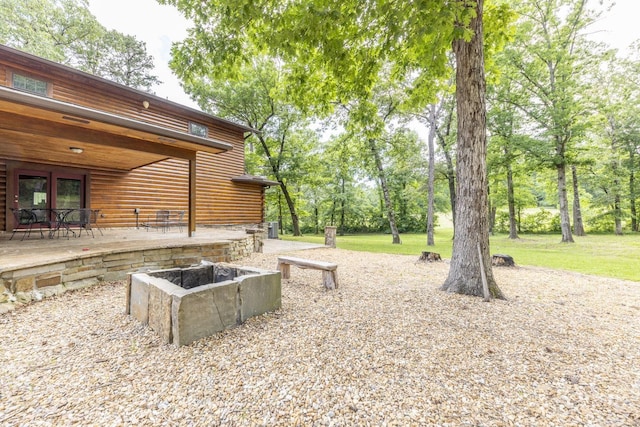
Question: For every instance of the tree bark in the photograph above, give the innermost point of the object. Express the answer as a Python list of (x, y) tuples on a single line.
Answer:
[(565, 223), (492, 212), (295, 224), (432, 172), (275, 167), (472, 225), (511, 201), (449, 162), (617, 210), (632, 192), (391, 216), (578, 226), (342, 208), (617, 215)]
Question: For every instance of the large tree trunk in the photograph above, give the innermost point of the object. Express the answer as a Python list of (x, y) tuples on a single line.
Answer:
[(472, 225), (617, 215), (617, 210), (578, 226), (493, 211), (432, 172), (449, 162), (391, 216), (275, 167), (342, 209), (295, 224), (511, 201), (632, 192), (565, 223)]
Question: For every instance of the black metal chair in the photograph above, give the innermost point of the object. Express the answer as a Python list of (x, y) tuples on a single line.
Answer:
[(161, 221), (45, 218), (77, 218), (176, 218), (24, 220), (93, 220)]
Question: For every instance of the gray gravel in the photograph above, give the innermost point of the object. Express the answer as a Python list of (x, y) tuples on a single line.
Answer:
[(385, 348)]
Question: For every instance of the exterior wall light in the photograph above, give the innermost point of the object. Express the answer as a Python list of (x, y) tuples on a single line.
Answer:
[(76, 150)]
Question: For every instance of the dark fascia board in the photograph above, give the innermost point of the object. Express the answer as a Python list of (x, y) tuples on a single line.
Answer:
[(54, 105), (93, 80), (258, 180)]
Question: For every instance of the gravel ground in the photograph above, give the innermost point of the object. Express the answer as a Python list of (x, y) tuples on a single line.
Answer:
[(385, 348)]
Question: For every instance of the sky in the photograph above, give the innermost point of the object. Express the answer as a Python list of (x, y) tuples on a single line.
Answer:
[(160, 25)]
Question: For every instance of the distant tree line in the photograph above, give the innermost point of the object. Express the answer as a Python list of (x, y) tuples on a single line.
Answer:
[(563, 144), (563, 134), (65, 31)]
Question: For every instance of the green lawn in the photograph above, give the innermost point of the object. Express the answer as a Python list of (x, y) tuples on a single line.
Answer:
[(602, 255)]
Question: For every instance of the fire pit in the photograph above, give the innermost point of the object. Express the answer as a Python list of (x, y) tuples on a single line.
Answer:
[(185, 304)]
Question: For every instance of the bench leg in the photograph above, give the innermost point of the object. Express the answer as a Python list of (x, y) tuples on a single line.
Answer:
[(329, 279), (285, 270)]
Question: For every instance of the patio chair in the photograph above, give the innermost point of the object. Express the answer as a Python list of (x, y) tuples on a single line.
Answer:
[(43, 218), (93, 220), (24, 220), (176, 218), (161, 222), (77, 218)]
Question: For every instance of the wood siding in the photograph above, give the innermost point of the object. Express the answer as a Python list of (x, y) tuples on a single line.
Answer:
[(3, 194), (164, 185), (161, 185), (127, 103)]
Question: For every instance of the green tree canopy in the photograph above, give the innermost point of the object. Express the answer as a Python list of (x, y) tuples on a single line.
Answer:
[(65, 31), (336, 49)]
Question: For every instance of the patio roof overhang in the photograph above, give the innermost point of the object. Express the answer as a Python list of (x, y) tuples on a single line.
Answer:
[(257, 180), (43, 130)]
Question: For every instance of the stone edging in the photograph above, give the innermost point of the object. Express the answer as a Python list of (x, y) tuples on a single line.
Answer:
[(26, 284)]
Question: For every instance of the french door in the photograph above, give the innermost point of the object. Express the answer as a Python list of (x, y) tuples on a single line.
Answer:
[(48, 190)]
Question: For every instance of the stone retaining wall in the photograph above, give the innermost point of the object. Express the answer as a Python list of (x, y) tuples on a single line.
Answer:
[(23, 285)]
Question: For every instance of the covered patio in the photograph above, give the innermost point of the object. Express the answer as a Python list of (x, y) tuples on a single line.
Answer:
[(36, 268)]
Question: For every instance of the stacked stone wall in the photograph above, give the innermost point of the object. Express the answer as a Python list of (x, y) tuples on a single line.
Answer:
[(24, 285), (184, 305)]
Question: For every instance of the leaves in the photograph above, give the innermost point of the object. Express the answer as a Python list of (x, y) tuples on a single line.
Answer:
[(65, 31)]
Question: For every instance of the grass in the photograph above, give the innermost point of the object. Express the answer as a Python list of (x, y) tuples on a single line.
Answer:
[(600, 255)]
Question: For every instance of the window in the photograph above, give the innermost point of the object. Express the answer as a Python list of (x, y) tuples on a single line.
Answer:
[(198, 129), (29, 84)]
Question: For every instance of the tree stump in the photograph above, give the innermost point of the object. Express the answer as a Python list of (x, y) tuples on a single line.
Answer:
[(330, 236), (502, 261), (429, 257)]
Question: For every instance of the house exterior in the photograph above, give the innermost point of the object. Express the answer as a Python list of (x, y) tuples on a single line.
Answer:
[(69, 139)]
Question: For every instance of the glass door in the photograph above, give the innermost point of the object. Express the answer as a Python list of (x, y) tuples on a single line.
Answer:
[(49, 190), (69, 192), (33, 191)]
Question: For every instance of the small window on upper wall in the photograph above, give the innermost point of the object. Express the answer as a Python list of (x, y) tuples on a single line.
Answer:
[(30, 84), (198, 129)]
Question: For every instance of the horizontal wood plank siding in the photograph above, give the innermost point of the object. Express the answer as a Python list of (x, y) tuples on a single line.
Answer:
[(163, 185), (3, 194), (103, 96)]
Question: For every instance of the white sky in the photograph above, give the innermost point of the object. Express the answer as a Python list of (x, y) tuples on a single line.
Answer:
[(159, 26)]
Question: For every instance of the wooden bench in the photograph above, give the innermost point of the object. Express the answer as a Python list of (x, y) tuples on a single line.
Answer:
[(329, 273)]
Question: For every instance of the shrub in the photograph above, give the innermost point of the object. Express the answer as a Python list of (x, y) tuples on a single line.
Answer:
[(541, 221)]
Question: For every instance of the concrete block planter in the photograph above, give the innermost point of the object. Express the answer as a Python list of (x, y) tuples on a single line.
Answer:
[(185, 304)]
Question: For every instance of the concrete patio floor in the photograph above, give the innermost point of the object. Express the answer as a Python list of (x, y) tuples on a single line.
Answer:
[(33, 251)]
